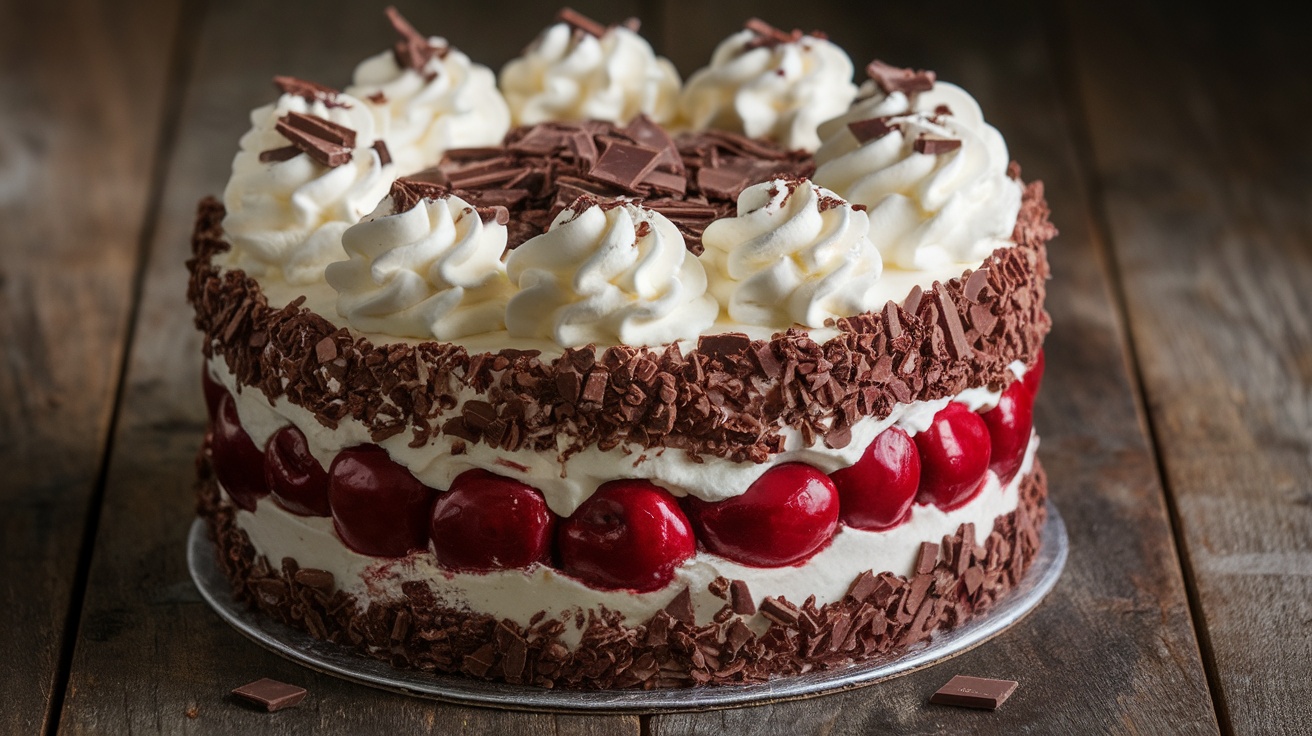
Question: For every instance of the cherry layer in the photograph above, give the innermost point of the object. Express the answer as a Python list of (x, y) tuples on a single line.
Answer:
[(378, 507), (295, 478), (1033, 378), (490, 522), (630, 534), (788, 514), (954, 457), (213, 391), (1009, 425), (877, 490), (238, 463)]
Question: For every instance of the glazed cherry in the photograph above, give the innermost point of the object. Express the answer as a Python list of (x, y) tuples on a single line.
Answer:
[(238, 463), (489, 522), (629, 534), (1009, 425), (295, 478), (954, 457), (1033, 377), (876, 492), (378, 507), (213, 391), (788, 514)]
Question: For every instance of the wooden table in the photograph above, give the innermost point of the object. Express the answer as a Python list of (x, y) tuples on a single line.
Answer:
[(1176, 417)]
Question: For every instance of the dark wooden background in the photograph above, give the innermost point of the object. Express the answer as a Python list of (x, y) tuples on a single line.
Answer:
[(1176, 417)]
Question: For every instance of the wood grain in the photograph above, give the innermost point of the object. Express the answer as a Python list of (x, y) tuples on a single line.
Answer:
[(151, 657), (1200, 143), (73, 75), (1112, 650)]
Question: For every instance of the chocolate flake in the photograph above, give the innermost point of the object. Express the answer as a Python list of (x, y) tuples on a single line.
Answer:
[(412, 50), (624, 165), (926, 558), (309, 91), (934, 145), (322, 140), (271, 694), (580, 22), (384, 155), (741, 598), (897, 79), (779, 611), (680, 608), (873, 128), (276, 155)]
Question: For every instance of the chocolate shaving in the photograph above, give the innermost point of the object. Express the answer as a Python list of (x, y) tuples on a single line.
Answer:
[(872, 129), (413, 50), (768, 36), (275, 155), (897, 79), (384, 155), (580, 22), (934, 144), (309, 91), (322, 140)]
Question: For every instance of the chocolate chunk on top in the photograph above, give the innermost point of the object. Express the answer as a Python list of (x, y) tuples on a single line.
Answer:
[(271, 694), (413, 49), (872, 129), (580, 22), (624, 164), (974, 692), (322, 140), (934, 144), (308, 91), (897, 79)]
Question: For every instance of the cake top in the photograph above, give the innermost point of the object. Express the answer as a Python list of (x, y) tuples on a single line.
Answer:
[(624, 207)]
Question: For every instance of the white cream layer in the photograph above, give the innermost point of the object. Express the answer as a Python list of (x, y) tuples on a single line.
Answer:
[(518, 595), (567, 483)]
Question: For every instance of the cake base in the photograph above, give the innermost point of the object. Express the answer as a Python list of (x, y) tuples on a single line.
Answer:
[(329, 658), (880, 627)]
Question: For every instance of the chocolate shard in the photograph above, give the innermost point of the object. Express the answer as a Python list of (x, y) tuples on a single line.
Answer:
[(934, 144), (384, 155), (407, 192), (767, 35), (723, 345), (271, 694), (926, 558), (680, 609), (897, 79), (624, 164), (974, 692), (740, 598), (276, 155), (779, 611), (322, 140), (412, 50), (580, 22), (309, 91), (873, 128)]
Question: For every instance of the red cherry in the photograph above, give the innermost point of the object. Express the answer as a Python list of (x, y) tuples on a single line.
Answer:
[(488, 522), (296, 479), (378, 507), (213, 391), (1009, 425), (238, 463), (877, 491), (629, 534), (954, 457), (1033, 377), (788, 514)]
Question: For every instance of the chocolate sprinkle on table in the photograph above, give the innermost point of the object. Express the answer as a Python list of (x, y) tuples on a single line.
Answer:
[(271, 694), (974, 692)]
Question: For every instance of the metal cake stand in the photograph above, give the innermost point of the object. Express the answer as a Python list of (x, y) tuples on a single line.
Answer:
[(340, 662)]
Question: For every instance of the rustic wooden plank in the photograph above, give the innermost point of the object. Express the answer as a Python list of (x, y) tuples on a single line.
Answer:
[(84, 88), (1205, 187), (151, 656), (1112, 649)]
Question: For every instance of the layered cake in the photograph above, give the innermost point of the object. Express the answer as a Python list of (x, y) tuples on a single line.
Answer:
[(587, 376)]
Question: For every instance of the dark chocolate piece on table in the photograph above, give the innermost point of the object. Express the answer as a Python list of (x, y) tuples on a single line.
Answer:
[(974, 692), (271, 694)]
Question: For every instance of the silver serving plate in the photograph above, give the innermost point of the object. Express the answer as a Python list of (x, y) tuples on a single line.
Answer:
[(347, 664)]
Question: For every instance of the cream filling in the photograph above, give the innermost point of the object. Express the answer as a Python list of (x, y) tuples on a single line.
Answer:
[(519, 595), (566, 483)]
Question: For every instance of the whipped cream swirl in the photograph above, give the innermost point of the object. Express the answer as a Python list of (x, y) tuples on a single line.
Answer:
[(781, 91), (926, 209), (433, 270), (289, 215), (450, 103), (578, 76), (608, 273), (795, 254)]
